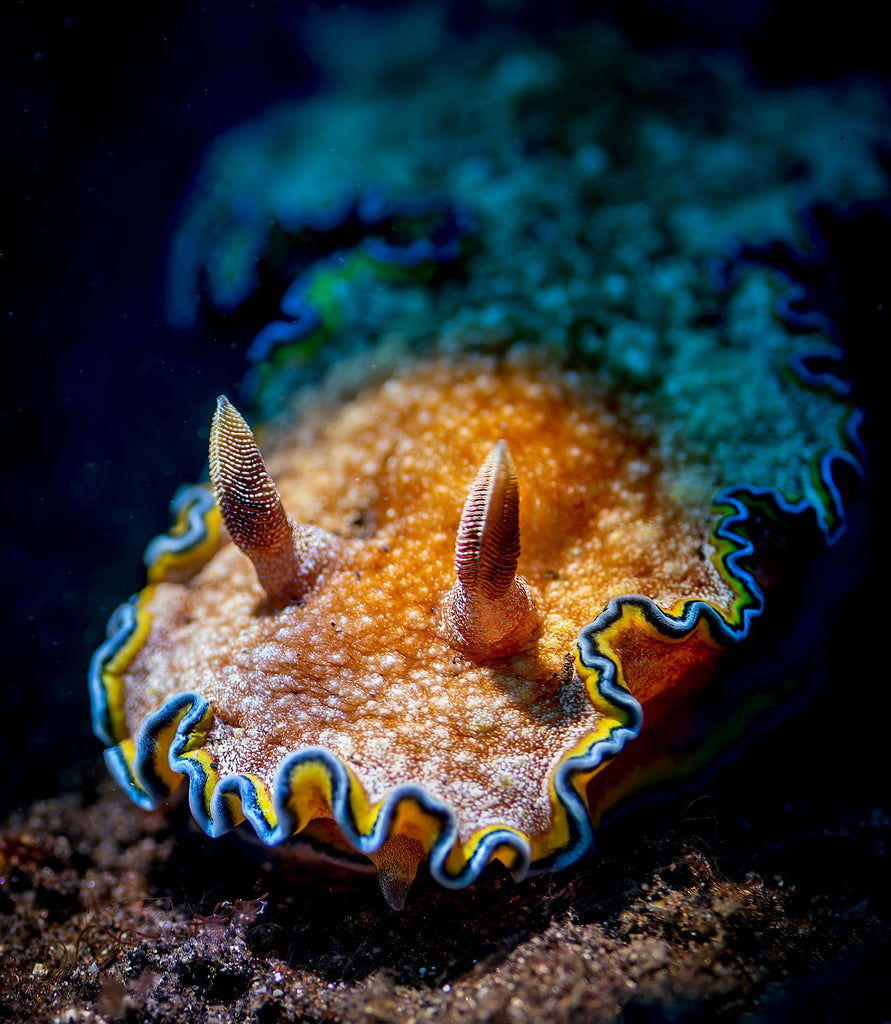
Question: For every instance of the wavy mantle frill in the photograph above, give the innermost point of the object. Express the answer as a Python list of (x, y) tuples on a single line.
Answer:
[(312, 783)]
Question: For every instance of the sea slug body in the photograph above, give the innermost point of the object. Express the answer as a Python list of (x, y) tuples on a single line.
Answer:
[(338, 699), (560, 435)]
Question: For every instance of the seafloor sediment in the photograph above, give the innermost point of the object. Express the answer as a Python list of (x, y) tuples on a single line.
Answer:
[(742, 904)]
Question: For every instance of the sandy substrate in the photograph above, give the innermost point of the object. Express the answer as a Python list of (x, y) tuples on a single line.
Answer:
[(754, 901)]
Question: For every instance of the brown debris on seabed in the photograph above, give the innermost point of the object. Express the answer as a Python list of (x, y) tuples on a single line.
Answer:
[(731, 906)]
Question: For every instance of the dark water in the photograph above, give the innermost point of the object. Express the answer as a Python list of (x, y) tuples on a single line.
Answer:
[(109, 115)]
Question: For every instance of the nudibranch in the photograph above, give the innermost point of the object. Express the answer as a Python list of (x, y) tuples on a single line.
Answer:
[(421, 622), (426, 620)]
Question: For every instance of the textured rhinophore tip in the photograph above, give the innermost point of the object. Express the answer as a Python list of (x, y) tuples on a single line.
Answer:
[(287, 557), (248, 499), (490, 611), (488, 546)]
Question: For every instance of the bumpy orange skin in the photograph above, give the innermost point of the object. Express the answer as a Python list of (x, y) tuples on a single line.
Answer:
[(362, 666), (350, 714)]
